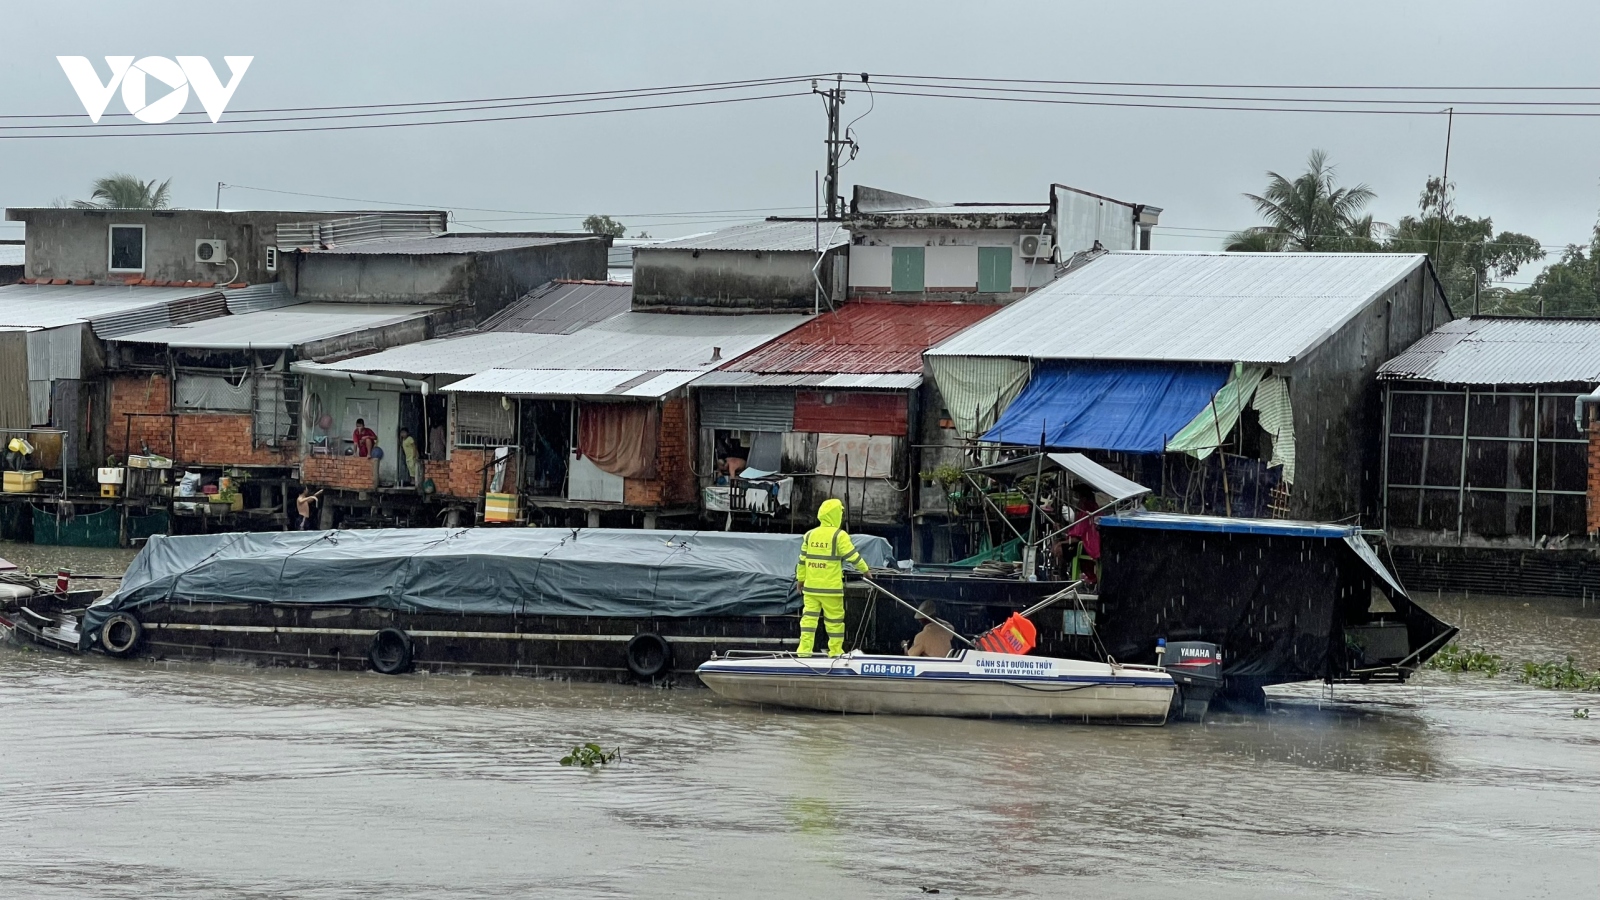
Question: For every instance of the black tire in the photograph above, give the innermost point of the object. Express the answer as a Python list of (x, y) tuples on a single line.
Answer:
[(649, 655), (121, 635), (390, 653)]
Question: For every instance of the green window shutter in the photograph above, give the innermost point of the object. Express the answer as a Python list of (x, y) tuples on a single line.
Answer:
[(994, 270), (907, 271)]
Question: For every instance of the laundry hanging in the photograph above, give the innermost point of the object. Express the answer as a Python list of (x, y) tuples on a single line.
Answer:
[(1128, 406)]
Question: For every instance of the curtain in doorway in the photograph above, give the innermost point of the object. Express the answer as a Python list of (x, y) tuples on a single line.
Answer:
[(620, 438)]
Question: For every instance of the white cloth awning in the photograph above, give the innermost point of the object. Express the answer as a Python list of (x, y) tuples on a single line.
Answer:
[(574, 383)]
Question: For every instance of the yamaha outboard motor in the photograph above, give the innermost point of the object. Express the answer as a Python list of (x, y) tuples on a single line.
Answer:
[(1196, 667)]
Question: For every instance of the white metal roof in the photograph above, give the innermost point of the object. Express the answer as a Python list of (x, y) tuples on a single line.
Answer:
[(1200, 307), (773, 236), (54, 305), (574, 382), (281, 328), (1503, 351), (631, 341)]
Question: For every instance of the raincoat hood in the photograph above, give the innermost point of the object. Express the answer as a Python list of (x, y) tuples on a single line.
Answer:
[(831, 513)]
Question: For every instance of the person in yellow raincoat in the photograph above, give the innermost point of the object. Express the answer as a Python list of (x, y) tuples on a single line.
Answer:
[(824, 553)]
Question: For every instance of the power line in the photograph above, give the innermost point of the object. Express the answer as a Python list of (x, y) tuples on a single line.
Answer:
[(1236, 108), (376, 125), (1424, 102), (749, 82), (1262, 87), (519, 212), (665, 92)]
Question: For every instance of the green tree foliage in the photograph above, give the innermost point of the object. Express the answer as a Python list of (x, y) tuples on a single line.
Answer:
[(604, 225), (120, 191), (1569, 286), (1311, 213), (1466, 252)]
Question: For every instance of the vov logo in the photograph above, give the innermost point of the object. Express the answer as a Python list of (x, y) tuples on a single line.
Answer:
[(134, 78)]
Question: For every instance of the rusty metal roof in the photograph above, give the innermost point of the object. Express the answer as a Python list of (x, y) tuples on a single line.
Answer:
[(864, 337), (1492, 350), (562, 307)]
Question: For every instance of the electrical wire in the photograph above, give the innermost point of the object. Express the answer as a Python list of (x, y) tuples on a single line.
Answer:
[(367, 115), (377, 125), (749, 82)]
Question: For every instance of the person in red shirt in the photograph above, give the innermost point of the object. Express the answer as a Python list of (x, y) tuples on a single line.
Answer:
[(364, 438)]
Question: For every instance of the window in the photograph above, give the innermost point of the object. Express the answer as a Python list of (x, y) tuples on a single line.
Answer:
[(994, 270), (127, 248), (1495, 464), (906, 273), (272, 259), (484, 421)]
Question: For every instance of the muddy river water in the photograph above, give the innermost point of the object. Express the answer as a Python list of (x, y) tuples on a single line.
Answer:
[(141, 779)]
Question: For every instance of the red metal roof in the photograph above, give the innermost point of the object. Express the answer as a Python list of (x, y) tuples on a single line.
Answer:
[(863, 338)]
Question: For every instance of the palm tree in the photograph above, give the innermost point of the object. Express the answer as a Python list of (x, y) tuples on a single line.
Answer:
[(1261, 239), (127, 192), (1311, 213)]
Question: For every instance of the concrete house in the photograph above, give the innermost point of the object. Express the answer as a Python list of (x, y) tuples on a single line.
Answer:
[(778, 265), (909, 248)]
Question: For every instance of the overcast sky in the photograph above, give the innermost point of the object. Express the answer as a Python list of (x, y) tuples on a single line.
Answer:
[(1540, 176)]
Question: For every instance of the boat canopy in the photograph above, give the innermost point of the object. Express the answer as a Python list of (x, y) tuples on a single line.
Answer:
[(486, 571), (1350, 534), (1081, 467)]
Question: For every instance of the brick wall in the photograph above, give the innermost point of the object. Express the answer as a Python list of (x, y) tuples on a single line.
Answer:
[(674, 483), (1594, 477), (461, 475), (217, 439), (351, 473)]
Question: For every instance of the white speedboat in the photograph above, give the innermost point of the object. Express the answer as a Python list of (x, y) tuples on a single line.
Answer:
[(969, 683)]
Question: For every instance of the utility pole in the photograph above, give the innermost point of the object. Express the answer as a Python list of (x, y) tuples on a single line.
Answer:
[(832, 100), (220, 186)]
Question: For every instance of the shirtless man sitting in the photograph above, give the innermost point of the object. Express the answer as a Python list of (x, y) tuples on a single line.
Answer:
[(934, 638)]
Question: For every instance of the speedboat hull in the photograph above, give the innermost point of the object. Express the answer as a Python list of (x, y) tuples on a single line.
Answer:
[(972, 685)]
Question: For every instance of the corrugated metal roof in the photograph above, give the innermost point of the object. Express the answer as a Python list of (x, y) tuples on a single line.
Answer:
[(865, 337), (279, 328), (766, 236), (634, 341), (1198, 307), (256, 297), (443, 244), (574, 382), (54, 305), (562, 307), (1489, 350), (882, 382), (362, 227), (13, 254), (978, 209)]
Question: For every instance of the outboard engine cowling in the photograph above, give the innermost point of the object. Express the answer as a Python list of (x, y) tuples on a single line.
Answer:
[(1196, 667)]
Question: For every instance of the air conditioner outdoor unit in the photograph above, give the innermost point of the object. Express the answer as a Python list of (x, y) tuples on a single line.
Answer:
[(211, 250), (1034, 246)]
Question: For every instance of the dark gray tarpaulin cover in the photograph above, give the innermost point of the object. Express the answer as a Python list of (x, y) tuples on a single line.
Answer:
[(506, 571)]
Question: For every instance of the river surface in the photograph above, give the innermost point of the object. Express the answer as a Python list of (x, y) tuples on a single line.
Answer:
[(142, 779)]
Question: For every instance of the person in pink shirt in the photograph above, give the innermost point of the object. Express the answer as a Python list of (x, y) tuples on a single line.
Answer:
[(1081, 543)]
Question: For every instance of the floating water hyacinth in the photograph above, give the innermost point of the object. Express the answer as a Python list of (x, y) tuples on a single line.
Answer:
[(590, 755)]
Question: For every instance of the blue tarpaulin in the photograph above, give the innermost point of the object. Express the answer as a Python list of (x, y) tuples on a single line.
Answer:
[(1130, 406)]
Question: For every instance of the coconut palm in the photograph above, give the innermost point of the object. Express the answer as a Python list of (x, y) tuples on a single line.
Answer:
[(121, 191), (1261, 239), (1312, 212)]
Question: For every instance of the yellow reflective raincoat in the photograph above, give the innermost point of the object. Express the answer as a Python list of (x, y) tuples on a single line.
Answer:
[(824, 553)]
